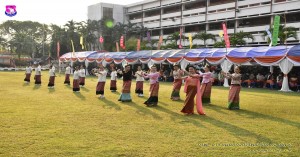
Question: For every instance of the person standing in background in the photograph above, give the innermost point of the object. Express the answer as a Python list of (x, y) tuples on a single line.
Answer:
[(82, 76), (51, 77), (28, 71), (113, 80), (67, 75), (38, 74), (76, 87), (139, 81)]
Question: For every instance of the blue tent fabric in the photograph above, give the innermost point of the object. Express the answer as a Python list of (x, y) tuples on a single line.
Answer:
[(257, 51), (277, 51), (95, 56), (294, 51), (239, 52)]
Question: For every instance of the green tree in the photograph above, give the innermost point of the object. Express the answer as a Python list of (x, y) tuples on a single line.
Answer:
[(204, 36), (284, 34), (239, 38)]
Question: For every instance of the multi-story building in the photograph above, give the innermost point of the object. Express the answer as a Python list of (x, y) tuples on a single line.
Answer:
[(164, 17)]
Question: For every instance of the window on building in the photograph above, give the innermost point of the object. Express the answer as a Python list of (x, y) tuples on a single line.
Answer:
[(172, 9), (258, 21), (135, 16), (108, 12), (195, 5), (152, 13), (155, 32), (194, 28), (215, 26), (276, 1), (294, 17), (168, 31), (219, 2)]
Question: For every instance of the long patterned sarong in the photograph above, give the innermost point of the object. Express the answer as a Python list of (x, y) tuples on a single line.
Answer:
[(234, 97), (67, 79), (191, 91), (37, 79), (206, 92), (100, 88), (51, 81), (82, 81), (113, 85), (153, 99), (76, 85), (139, 87), (27, 78), (176, 89), (125, 96)]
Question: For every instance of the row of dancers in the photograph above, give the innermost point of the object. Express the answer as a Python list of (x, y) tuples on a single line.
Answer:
[(192, 86)]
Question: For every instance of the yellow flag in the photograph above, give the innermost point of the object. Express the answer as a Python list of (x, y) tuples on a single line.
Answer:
[(221, 33), (73, 53), (191, 40), (81, 42)]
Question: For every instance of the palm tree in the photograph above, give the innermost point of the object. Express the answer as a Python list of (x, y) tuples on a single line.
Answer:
[(174, 38), (239, 38), (204, 36), (284, 34)]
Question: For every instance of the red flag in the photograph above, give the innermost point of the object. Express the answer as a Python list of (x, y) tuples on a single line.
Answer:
[(122, 42), (138, 45), (226, 38), (58, 49), (180, 46), (101, 39)]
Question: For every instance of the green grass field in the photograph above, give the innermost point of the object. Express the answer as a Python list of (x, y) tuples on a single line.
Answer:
[(37, 121)]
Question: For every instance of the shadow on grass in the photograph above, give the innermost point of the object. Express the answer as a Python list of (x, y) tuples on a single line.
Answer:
[(36, 87), (254, 115), (236, 131), (79, 95), (162, 103), (84, 89), (194, 119), (215, 108), (116, 92), (110, 104), (26, 84), (51, 90), (143, 110)]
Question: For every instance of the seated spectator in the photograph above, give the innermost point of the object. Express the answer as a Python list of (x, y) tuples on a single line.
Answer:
[(270, 80), (215, 77), (293, 82), (166, 75), (279, 80), (221, 79), (260, 79), (250, 81)]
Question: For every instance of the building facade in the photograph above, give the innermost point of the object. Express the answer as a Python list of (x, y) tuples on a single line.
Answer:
[(105, 10), (164, 17)]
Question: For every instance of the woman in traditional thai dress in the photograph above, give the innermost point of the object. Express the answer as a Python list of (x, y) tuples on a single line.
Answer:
[(113, 80), (235, 88), (76, 74), (206, 85), (28, 71), (101, 82), (51, 77), (154, 86), (139, 74), (192, 88), (82, 76), (177, 74), (67, 75), (127, 77), (38, 74)]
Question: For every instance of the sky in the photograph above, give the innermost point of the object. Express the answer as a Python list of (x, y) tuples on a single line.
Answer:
[(52, 11)]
